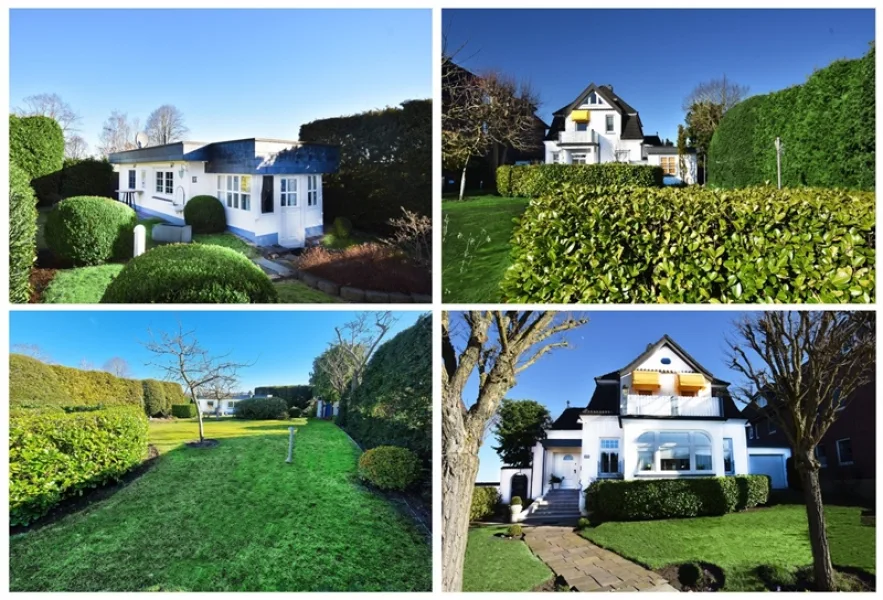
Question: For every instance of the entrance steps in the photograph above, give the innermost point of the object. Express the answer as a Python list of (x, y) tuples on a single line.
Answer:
[(556, 506)]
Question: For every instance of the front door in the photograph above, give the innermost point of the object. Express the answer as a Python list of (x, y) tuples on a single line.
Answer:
[(291, 217), (566, 467)]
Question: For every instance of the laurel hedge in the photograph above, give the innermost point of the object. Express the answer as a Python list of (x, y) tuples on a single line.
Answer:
[(628, 244), (54, 454), (532, 181), (22, 234), (827, 126)]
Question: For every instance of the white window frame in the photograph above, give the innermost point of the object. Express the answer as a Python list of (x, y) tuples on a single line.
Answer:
[(555, 157), (728, 447), (609, 124), (610, 450), (750, 429), (655, 448), (837, 445), (164, 182), (584, 157), (287, 193), (312, 190), (233, 193), (132, 177)]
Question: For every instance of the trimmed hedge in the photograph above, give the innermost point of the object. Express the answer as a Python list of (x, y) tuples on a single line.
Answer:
[(294, 395), (90, 230), (205, 214), (54, 454), (92, 388), (36, 144), (627, 244), (184, 411), (88, 177), (485, 500), (22, 234), (190, 273), (389, 467), (645, 499), (261, 409), (827, 125), (156, 404), (33, 384), (533, 181)]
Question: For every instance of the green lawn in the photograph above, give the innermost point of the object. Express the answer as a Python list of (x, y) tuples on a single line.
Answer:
[(233, 518), (227, 240), (84, 285), (499, 565), (740, 543), (475, 251), (295, 292)]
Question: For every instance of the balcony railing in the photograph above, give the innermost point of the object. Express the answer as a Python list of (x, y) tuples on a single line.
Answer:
[(671, 406), (578, 137)]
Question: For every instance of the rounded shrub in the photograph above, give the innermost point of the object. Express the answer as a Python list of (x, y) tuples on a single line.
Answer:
[(295, 412), (90, 230), (514, 531), (516, 501), (389, 467), (22, 234), (262, 409), (205, 214), (183, 411), (185, 273), (155, 402)]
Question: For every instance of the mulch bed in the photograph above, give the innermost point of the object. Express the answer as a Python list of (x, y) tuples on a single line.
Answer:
[(75, 504), (203, 444), (555, 584), (367, 267), (712, 578), (40, 280)]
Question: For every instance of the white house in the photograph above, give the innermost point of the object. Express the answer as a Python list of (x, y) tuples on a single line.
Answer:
[(271, 189), (224, 407), (325, 409), (600, 127), (661, 416)]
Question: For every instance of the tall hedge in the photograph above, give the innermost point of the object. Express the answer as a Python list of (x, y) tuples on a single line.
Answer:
[(827, 126), (88, 177), (294, 395), (159, 396), (261, 408), (532, 181), (22, 234), (36, 144), (55, 454), (33, 383), (385, 164), (91, 388), (591, 244)]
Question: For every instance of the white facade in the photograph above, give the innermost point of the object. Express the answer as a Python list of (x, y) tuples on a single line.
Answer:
[(225, 407), (688, 172)]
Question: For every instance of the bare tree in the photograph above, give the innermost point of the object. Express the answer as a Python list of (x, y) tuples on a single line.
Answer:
[(705, 108), (219, 390), (32, 350), (117, 133), (165, 125), (721, 92), (52, 106), (86, 364), (75, 147), (806, 366), (498, 346), (117, 366), (179, 355)]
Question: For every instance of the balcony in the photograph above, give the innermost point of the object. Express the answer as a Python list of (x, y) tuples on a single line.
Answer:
[(578, 137), (671, 406)]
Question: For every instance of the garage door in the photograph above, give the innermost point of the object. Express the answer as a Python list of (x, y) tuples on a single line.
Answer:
[(769, 464)]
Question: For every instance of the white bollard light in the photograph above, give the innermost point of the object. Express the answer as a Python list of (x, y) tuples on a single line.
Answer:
[(140, 240), (290, 444)]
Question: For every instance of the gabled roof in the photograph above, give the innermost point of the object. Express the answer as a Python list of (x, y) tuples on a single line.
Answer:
[(631, 120), (665, 340), (569, 419)]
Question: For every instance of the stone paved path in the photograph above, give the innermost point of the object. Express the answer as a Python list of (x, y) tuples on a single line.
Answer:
[(588, 568)]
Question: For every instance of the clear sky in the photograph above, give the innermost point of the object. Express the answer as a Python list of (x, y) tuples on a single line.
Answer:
[(654, 58), (282, 344), (233, 73), (609, 341)]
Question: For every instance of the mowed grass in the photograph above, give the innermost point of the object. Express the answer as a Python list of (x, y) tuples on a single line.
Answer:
[(233, 518), (476, 251), (740, 543), (83, 285), (500, 565), (296, 292)]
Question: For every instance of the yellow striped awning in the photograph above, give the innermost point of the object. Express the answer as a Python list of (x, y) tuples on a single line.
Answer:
[(645, 380), (691, 381), (579, 116)]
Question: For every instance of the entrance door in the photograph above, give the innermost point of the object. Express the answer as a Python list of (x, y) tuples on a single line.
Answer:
[(566, 468), (312, 200), (291, 217)]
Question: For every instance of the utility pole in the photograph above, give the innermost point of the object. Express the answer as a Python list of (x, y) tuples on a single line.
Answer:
[(779, 161)]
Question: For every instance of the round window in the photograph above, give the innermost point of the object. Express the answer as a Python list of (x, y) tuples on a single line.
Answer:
[(666, 361)]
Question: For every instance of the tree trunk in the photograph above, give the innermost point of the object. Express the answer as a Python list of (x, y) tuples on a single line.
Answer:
[(463, 182), (818, 536), (198, 417), (460, 468)]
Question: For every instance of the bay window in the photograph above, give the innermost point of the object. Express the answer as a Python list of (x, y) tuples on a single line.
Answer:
[(674, 452)]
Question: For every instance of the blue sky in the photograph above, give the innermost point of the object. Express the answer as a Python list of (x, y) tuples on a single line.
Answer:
[(608, 342), (233, 73), (654, 58), (281, 344)]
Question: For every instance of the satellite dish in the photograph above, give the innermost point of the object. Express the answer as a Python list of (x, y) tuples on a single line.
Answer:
[(141, 140)]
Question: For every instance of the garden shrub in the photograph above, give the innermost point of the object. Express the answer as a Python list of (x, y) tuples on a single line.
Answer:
[(516, 500), (644, 499), (33, 383), (90, 230), (53, 455), (188, 273), (174, 393), (533, 181), (36, 144), (205, 214), (22, 234), (389, 467), (261, 408), (627, 244), (514, 531), (90, 388), (827, 126), (294, 412), (485, 500), (342, 227), (184, 411), (88, 177), (294, 395), (155, 402)]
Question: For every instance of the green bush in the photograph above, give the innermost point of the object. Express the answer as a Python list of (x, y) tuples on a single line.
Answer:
[(827, 125), (155, 402), (389, 467), (514, 531), (294, 412), (90, 388), (516, 500), (22, 234), (294, 395), (33, 383), (89, 230), (583, 523), (533, 181), (261, 408), (188, 273), (53, 455), (36, 144), (645, 499), (184, 411), (205, 214), (485, 501), (627, 244), (88, 177)]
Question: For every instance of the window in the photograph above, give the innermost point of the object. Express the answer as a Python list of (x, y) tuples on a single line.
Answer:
[(729, 466), (578, 158), (165, 182), (844, 451), (821, 456), (609, 123), (235, 191), (312, 190), (132, 179), (592, 99), (210, 403), (669, 165), (674, 452), (609, 457), (582, 126), (771, 426), (555, 156), (288, 191)]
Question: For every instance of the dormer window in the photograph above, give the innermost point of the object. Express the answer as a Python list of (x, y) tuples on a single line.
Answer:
[(592, 99)]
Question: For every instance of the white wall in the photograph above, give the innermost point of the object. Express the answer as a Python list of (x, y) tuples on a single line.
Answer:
[(506, 482), (159, 203), (692, 169), (668, 382)]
